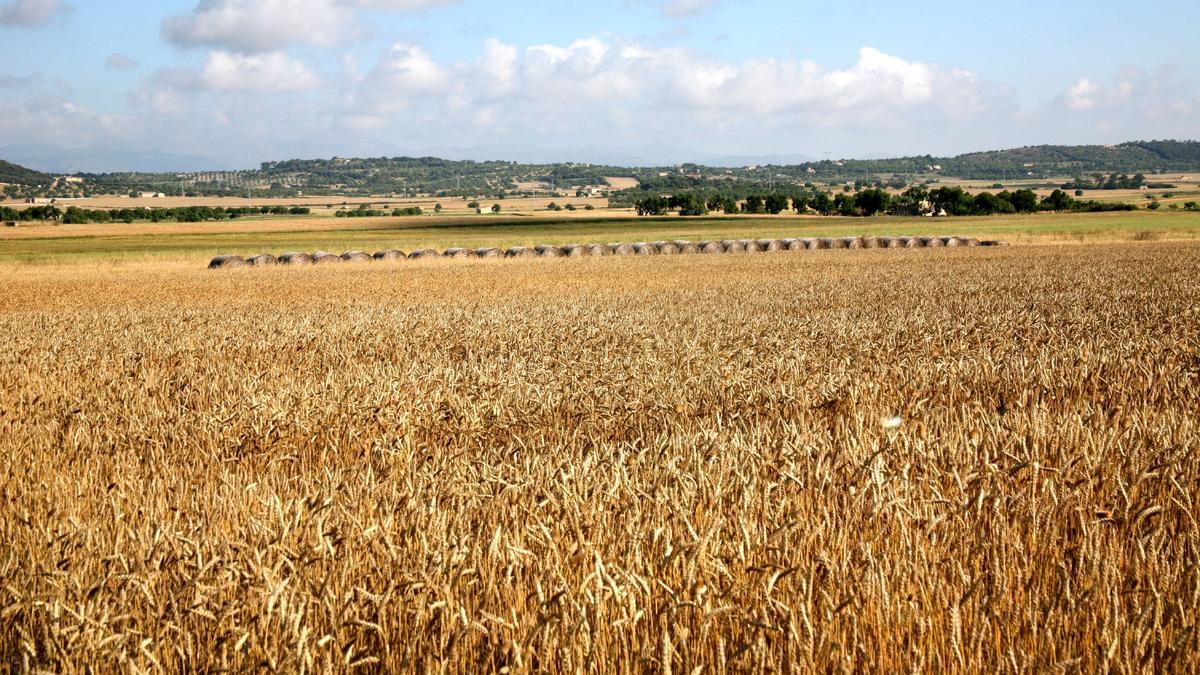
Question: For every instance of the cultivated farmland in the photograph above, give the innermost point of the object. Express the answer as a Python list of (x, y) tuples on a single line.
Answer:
[(939, 460)]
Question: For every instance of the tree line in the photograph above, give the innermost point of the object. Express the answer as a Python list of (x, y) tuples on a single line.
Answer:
[(916, 200), (182, 214)]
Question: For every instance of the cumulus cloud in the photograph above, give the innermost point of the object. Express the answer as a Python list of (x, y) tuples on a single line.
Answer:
[(270, 72), (269, 25), (55, 119), (634, 91), (1083, 96), (31, 12), (259, 25), (1160, 93), (118, 61), (608, 72)]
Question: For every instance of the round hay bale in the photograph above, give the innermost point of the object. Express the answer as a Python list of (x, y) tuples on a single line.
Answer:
[(262, 260), (951, 241), (852, 242), (424, 253), (750, 246), (798, 244), (295, 259), (323, 258), (872, 242), (519, 252), (574, 250), (458, 252), (931, 242), (223, 262), (643, 248), (390, 254), (546, 251), (686, 246), (771, 245), (908, 242), (888, 242), (666, 248), (623, 249), (732, 246), (970, 241), (834, 242), (711, 247), (487, 252), (598, 250), (355, 256)]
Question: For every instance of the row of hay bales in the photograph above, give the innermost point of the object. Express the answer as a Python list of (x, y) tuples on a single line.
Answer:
[(619, 249)]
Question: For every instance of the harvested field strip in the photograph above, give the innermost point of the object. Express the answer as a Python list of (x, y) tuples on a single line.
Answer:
[(646, 464), (617, 249)]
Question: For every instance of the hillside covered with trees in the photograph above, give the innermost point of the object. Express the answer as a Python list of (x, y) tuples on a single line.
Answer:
[(430, 176), (18, 175)]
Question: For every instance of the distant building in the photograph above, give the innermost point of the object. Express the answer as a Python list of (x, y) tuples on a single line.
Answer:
[(150, 195)]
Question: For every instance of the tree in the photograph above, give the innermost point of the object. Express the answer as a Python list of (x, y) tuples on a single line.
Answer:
[(776, 204), (843, 204), (552, 206), (472, 204), (690, 205), (1057, 201), (437, 208), (754, 204), (986, 203), (496, 208), (1024, 201), (822, 203), (722, 203), (872, 201), (652, 206), (953, 200)]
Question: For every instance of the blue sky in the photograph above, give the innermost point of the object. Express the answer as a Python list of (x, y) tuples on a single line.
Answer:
[(230, 83)]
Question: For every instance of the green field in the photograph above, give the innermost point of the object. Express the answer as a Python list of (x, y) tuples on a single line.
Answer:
[(408, 234)]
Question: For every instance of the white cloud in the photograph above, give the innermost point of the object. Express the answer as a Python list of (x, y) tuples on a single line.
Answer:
[(678, 9), (31, 12), (498, 68), (401, 5), (268, 25), (1082, 96), (117, 61), (270, 72), (633, 91), (1135, 92), (260, 25), (686, 8)]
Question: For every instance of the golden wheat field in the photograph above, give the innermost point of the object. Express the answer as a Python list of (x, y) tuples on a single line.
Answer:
[(973, 460)]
